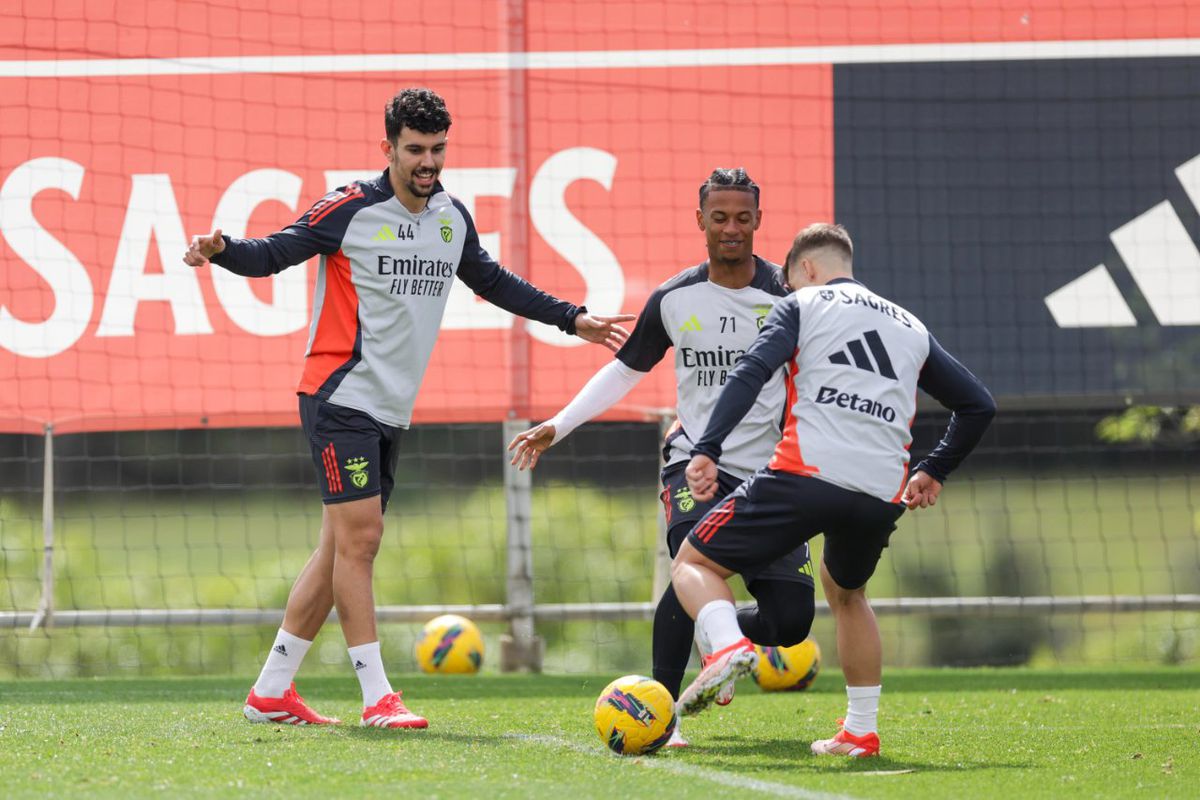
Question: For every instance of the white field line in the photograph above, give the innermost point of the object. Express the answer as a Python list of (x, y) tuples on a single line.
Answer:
[(690, 771), (603, 59)]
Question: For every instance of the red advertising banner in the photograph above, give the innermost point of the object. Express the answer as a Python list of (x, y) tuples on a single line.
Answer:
[(579, 156)]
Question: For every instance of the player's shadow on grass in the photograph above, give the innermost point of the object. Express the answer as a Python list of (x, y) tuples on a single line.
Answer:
[(729, 753)]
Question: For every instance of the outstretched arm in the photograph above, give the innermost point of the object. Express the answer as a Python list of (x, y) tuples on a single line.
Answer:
[(602, 392), (318, 231), (639, 354)]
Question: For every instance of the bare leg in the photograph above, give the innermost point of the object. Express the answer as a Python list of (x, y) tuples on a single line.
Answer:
[(357, 530), (698, 580), (311, 598), (858, 642)]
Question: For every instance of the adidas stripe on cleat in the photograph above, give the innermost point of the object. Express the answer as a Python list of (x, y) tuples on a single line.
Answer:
[(390, 712), (720, 670), (287, 710)]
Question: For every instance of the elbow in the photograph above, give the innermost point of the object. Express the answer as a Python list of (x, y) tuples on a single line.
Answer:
[(987, 408)]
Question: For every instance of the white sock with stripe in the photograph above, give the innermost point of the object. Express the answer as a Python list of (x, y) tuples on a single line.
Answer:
[(862, 709), (368, 666), (717, 622), (282, 664)]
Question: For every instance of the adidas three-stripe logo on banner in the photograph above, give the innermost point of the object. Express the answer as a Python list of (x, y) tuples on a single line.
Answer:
[(883, 362), (1160, 256)]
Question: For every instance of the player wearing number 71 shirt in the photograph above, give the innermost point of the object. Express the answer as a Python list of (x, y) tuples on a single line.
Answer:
[(389, 249), (710, 314)]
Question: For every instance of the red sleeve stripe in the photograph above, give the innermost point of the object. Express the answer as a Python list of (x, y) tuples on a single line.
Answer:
[(321, 214), (714, 520)]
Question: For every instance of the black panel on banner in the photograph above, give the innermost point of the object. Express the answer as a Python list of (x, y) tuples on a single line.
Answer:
[(975, 190)]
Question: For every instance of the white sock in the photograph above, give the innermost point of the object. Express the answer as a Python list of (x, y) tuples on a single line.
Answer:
[(717, 622), (282, 663), (701, 642), (862, 709), (368, 666)]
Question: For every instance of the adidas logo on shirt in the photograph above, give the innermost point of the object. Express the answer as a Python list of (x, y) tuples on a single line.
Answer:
[(883, 362), (281, 650), (385, 234), (359, 665), (692, 324)]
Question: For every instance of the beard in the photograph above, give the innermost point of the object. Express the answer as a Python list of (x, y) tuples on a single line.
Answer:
[(420, 191)]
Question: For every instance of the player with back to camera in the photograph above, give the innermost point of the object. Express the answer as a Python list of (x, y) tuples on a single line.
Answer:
[(390, 247), (854, 361), (710, 314)]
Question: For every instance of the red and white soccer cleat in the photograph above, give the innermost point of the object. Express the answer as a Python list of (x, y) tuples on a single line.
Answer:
[(390, 712), (287, 710), (720, 670), (845, 743), (725, 696), (677, 741)]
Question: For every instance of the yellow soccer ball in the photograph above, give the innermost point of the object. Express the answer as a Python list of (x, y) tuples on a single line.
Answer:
[(784, 669), (635, 715), (450, 644)]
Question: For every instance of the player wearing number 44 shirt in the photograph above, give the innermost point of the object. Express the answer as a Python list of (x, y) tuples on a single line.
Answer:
[(854, 362), (709, 314), (389, 250)]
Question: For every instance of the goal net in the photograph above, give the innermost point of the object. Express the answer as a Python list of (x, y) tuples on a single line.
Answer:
[(1025, 177)]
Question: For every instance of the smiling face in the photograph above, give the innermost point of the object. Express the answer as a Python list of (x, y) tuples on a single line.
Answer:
[(415, 161), (729, 218)]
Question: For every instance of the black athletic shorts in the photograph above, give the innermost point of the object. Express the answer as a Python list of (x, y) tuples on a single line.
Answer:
[(683, 512), (769, 514), (355, 455)]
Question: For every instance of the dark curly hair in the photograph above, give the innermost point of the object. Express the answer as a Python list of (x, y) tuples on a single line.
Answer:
[(423, 110), (722, 179)]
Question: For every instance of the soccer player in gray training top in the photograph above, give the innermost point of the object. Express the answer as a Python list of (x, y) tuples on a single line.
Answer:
[(377, 310), (854, 362), (710, 314)]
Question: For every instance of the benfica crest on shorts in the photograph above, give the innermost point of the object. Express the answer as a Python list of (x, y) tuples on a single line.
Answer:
[(357, 467)]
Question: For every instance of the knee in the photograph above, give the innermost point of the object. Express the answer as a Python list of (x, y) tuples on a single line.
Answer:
[(793, 629), (359, 543), (840, 599)]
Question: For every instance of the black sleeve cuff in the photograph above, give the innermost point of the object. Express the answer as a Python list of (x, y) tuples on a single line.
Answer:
[(570, 326)]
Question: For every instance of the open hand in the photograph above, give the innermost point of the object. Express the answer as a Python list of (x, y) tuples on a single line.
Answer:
[(603, 330), (530, 444), (203, 248)]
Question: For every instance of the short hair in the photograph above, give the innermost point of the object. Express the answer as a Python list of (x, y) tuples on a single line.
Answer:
[(817, 235), (723, 179), (423, 110)]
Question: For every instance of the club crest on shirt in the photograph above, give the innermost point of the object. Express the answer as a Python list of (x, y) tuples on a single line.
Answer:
[(447, 231), (827, 295)]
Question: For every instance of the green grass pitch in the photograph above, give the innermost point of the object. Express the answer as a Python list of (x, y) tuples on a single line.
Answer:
[(946, 734)]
